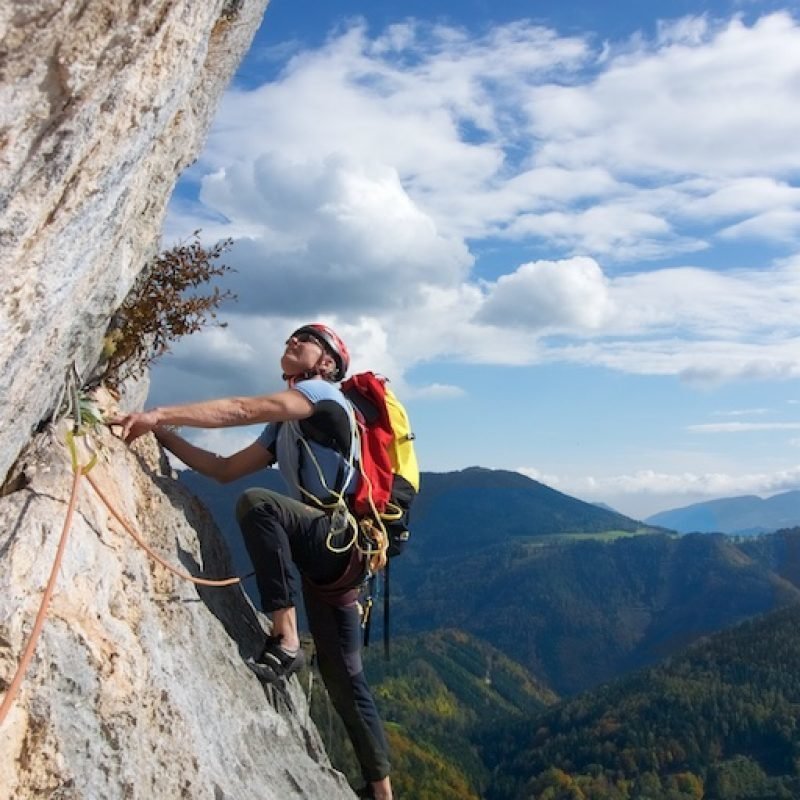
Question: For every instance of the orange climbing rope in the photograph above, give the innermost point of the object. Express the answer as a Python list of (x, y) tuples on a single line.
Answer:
[(138, 539), (16, 682)]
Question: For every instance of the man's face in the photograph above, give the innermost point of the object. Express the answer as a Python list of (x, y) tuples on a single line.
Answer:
[(303, 352)]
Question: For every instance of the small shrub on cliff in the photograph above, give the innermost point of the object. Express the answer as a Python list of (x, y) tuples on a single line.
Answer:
[(163, 307)]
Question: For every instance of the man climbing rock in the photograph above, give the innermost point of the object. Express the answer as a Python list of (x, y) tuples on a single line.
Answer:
[(312, 528)]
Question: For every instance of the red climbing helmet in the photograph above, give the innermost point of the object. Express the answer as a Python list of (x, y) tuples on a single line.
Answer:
[(331, 343)]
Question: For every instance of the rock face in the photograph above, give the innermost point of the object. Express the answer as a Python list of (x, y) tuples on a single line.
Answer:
[(137, 688), (102, 105)]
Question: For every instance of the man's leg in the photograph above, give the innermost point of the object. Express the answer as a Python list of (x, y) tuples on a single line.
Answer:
[(277, 531), (284, 627), (337, 635)]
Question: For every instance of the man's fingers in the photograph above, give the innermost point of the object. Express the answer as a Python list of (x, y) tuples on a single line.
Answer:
[(132, 425), (125, 423)]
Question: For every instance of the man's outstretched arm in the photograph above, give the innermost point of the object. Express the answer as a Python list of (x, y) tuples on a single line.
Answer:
[(226, 412)]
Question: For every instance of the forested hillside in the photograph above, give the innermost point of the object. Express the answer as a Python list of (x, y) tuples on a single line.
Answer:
[(581, 614), (575, 613), (779, 552), (718, 721), (438, 694), (475, 508)]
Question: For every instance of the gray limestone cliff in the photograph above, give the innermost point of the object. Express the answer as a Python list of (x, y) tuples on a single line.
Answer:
[(102, 104), (137, 687)]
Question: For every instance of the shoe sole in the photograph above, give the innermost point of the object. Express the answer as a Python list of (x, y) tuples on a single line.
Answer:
[(266, 673)]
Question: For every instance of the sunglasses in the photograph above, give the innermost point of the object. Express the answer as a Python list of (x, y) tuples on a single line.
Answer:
[(303, 338)]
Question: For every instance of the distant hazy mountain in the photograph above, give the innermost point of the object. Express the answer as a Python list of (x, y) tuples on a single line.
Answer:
[(744, 516)]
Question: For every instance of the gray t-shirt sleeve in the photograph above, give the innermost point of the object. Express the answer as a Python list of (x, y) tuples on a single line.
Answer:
[(314, 391), (267, 437), (303, 461)]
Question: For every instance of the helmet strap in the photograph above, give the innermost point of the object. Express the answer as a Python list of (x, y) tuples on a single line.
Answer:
[(314, 372), (301, 376)]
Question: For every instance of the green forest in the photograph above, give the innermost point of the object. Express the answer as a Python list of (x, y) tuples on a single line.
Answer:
[(436, 693), (719, 721), (584, 613)]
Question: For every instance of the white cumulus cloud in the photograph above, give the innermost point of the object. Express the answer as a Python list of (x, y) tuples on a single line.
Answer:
[(548, 294)]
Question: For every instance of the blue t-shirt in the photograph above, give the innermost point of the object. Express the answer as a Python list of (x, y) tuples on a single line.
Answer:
[(318, 453)]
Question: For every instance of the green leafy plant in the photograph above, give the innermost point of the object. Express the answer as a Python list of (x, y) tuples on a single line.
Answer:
[(87, 415), (164, 306)]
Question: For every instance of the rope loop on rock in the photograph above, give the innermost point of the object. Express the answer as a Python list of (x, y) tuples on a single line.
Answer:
[(77, 473)]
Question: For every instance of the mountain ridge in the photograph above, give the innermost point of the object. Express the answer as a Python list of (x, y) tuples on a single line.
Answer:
[(469, 509), (743, 515)]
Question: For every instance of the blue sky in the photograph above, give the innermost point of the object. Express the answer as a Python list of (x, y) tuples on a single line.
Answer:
[(568, 233)]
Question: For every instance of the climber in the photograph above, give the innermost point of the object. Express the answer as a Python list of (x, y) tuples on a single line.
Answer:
[(310, 528)]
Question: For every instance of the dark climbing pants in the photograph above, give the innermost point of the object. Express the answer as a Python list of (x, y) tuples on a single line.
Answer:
[(279, 531), (337, 636)]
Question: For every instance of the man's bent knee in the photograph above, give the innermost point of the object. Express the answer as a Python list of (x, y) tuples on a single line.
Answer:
[(250, 499)]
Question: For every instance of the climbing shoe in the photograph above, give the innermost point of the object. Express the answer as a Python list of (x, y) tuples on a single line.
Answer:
[(274, 662)]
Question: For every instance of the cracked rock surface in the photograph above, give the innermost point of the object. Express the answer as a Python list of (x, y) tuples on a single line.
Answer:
[(137, 688)]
